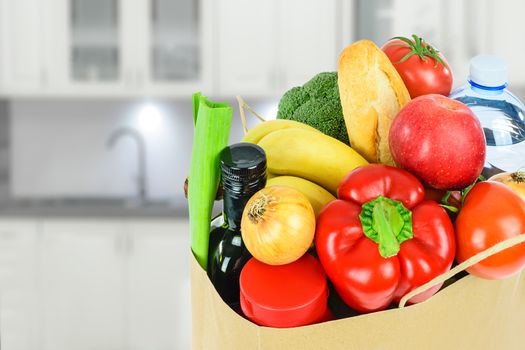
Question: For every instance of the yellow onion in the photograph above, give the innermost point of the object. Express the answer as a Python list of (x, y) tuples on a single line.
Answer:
[(515, 180), (278, 225)]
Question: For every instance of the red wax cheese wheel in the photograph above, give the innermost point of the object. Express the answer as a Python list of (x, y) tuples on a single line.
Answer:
[(284, 296)]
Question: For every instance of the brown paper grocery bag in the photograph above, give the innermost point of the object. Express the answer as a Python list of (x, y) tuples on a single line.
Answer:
[(470, 314)]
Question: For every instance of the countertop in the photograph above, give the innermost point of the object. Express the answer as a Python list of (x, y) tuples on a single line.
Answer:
[(93, 207)]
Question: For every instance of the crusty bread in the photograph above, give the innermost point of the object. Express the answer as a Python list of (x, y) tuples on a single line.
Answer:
[(372, 92)]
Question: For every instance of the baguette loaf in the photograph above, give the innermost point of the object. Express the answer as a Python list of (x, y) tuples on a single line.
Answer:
[(372, 92)]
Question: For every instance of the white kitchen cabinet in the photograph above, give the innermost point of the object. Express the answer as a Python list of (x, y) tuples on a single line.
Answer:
[(93, 48), (94, 284), (267, 47), (459, 29), (104, 48), (246, 47), (114, 284), (130, 48), (83, 297), (19, 285), (175, 47), (157, 285), (380, 20), (423, 17), (21, 58), (505, 38), (87, 49), (445, 24), (307, 42), (473, 27)]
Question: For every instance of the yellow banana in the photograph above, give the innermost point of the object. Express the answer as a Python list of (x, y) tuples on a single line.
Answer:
[(255, 134), (311, 155), (317, 195)]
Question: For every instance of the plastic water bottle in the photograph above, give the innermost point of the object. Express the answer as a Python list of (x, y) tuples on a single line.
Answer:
[(500, 113)]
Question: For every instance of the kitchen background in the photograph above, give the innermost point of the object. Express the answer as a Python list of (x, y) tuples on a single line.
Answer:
[(96, 134)]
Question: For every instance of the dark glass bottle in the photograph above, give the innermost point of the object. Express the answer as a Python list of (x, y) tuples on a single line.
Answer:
[(243, 168)]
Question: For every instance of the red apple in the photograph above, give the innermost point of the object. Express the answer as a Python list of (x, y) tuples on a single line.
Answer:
[(439, 140)]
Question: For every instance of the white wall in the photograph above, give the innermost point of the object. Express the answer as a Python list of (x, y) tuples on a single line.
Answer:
[(58, 148)]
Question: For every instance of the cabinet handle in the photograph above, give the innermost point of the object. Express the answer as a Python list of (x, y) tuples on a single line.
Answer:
[(471, 36), (282, 79), (43, 77), (129, 244), (140, 78), (128, 78), (154, 10), (7, 235), (272, 78), (124, 244), (119, 244)]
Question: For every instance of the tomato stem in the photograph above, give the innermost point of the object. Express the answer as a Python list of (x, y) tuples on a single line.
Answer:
[(444, 203), (419, 47), (467, 189), (450, 208)]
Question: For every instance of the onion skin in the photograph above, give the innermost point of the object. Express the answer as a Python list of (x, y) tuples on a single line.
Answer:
[(515, 180), (278, 225)]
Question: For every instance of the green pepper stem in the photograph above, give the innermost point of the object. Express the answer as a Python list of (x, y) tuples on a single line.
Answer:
[(385, 219), (388, 223)]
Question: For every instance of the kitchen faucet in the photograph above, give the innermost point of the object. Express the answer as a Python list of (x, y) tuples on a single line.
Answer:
[(141, 153)]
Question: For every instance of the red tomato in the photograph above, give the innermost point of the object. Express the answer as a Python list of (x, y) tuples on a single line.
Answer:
[(424, 71), (492, 213)]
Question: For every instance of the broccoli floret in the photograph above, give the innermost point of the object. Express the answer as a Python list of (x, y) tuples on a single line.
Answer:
[(323, 85), (317, 104), (291, 100)]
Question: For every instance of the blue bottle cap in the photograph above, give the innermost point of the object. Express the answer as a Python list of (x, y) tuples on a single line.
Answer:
[(487, 71)]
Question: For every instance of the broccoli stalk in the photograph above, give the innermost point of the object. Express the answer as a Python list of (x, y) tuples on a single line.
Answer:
[(317, 104)]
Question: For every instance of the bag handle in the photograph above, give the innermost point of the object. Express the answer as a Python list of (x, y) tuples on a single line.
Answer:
[(243, 105), (508, 243)]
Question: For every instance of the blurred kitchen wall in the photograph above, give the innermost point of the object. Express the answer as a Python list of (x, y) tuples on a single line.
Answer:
[(51, 141)]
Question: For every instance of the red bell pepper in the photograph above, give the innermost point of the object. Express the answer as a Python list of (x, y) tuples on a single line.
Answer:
[(381, 238)]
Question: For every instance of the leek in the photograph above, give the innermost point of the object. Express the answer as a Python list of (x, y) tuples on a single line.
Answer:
[(212, 129)]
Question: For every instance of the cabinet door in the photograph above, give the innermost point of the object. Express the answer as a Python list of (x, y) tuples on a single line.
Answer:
[(83, 295), (158, 290), (474, 27), (21, 46), (246, 42), (19, 289), (423, 17), (308, 40), (176, 57), (87, 52), (506, 35)]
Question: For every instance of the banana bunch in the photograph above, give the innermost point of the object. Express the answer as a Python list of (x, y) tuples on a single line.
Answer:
[(303, 158)]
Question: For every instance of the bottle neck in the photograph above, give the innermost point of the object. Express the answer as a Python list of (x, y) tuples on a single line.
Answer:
[(234, 203), (487, 90)]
